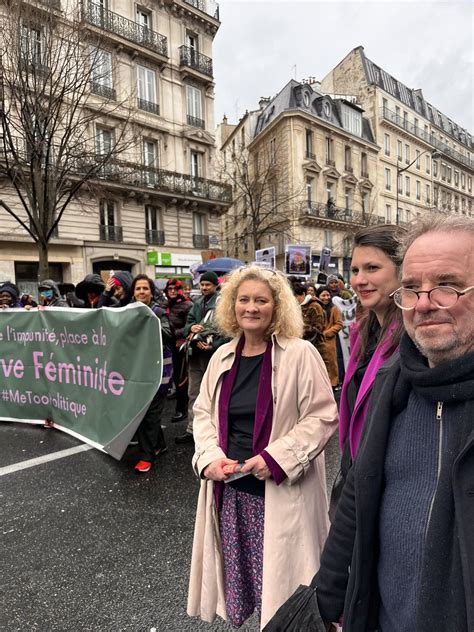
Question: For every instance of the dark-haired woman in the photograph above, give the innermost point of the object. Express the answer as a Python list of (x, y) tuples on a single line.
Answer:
[(177, 310), (374, 338), (332, 326), (151, 440)]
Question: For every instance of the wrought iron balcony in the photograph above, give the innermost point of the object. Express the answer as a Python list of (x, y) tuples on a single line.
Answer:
[(103, 91), (172, 182), (193, 59), (206, 6), (148, 106), (402, 123), (112, 22), (155, 237), (201, 241), (331, 212), (195, 122), (110, 233)]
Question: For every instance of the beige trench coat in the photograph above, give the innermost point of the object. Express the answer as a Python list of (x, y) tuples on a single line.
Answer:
[(296, 523)]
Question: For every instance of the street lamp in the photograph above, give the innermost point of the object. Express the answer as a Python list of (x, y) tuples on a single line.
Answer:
[(434, 154)]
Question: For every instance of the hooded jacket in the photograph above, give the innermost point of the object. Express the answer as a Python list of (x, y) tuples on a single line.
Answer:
[(91, 283), (108, 299), (13, 291), (58, 300)]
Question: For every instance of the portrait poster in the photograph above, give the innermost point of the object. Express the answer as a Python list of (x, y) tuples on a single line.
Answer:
[(298, 260)]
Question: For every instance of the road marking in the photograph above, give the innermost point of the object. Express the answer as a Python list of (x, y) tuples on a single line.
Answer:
[(23, 465)]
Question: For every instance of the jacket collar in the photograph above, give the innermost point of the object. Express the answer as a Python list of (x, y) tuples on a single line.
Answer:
[(231, 347)]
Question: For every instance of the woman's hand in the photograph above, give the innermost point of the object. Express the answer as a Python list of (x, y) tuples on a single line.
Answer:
[(195, 329), (214, 470), (110, 285), (257, 466)]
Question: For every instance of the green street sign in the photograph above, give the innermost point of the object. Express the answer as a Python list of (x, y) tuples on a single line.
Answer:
[(152, 257)]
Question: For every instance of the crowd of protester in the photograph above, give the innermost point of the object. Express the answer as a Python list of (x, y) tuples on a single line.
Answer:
[(257, 363)]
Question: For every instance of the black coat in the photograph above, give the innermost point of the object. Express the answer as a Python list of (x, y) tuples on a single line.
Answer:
[(178, 313), (352, 541)]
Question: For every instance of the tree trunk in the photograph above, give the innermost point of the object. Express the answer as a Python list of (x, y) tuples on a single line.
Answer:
[(43, 268)]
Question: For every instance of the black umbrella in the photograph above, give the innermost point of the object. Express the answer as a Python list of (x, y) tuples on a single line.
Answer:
[(300, 612)]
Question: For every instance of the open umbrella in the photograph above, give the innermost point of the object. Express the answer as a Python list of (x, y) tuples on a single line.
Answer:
[(221, 265)]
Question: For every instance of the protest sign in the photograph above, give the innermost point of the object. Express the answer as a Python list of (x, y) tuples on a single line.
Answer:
[(92, 372)]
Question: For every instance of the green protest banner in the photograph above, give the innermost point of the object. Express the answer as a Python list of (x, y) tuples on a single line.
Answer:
[(92, 372)]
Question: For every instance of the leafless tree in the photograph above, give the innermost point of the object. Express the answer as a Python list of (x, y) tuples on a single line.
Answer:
[(49, 149), (264, 201)]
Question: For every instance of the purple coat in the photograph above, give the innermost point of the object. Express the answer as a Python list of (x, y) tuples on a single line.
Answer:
[(353, 425)]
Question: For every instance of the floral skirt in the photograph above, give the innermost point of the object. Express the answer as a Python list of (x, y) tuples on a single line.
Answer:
[(241, 527)]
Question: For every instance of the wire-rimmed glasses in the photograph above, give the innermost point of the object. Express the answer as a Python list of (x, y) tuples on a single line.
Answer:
[(442, 296)]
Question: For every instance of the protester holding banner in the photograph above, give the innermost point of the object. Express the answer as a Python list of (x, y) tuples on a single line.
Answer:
[(177, 309), (265, 410), (89, 290), (49, 294), (151, 439), (374, 337), (117, 292), (9, 295)]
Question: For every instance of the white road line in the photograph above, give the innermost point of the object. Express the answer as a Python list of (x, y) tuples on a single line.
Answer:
[(23, 465)]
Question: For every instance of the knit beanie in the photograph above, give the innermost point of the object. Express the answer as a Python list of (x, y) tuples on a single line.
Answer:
[(12, 289), (211, 277)]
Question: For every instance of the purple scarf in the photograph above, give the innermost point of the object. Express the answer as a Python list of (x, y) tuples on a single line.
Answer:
[(263, 406)]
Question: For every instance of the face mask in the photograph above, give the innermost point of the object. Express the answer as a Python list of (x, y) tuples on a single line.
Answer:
[(47, 293)]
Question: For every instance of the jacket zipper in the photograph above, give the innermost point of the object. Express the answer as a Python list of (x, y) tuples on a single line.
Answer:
[(439, 418)]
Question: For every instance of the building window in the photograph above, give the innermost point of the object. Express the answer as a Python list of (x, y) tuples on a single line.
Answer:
[(147, 90), (417, 165), (348, 158), (108, 225), (388, 180), (427, 162), (405, 120), (363, 166), (273, 150), (192, 41), (144, 18), (329, 151), (428, 194), (388, 213), (399, 183), (407, 153), (104, 141), (196, 164), (309, 190), (435, 196), (309, 145), (348, 198), (469, 183), (443, 171), (102, 82), (194, 107), (274, 197), (351, 120), (400, 214), (399, 150), (328, 238), (435, 169), (150, 160), (418, 190), (154, 233), (463, 179), (32, 45), (449, 172), (407, 186), (387, 144), (200, 236), (456, 178), (365, 202)]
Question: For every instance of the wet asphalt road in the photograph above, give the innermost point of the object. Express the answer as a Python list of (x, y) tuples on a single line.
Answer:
[(88, 545)]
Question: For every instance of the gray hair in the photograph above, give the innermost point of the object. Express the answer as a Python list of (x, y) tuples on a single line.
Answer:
[(435, 223)]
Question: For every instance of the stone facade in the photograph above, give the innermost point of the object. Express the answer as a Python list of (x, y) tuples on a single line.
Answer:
[(426, 159), (161, 196), (320, 176)]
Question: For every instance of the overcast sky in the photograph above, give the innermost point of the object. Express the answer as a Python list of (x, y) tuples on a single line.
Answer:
[(427, 44)]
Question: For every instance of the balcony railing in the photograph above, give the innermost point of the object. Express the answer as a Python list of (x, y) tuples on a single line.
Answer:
[(331, 212), (402, 123), (155, 237), (206, 6), (193, 59), (201, 241), (110, 233), (119, 25), (148, 106), (103, 91), (138, 175), (195, 122)]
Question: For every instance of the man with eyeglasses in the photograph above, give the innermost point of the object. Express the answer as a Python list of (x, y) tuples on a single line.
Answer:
[(400, 553)]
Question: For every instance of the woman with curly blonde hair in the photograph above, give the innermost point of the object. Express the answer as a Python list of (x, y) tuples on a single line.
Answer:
[(262, 419)]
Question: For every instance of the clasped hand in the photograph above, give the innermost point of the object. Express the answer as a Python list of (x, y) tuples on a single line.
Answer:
[(256, 466)]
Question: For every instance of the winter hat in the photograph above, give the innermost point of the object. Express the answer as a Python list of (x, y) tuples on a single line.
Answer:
[(211, 277), (332, 277), (10, 288)]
